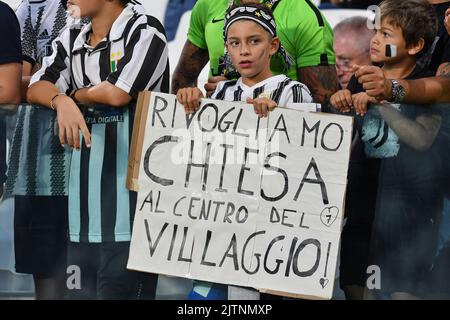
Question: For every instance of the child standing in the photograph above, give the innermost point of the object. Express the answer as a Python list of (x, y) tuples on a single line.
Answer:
[(251, 40), (400, 164), (103, 65)]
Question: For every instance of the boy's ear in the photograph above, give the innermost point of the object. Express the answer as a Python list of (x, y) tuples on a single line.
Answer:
[(416, 47), (274, 45)]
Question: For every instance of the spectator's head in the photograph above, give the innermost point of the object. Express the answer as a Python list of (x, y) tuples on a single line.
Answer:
[(251, 40), (408, 29), (351, 46)]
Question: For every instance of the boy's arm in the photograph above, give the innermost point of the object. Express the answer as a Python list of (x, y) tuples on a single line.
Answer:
[(70, 119), (419, 133), (192, 61), (10, 83), (195, 52), (420, 91), (321, 80), (133, 73), (103, 93), (48, 88)]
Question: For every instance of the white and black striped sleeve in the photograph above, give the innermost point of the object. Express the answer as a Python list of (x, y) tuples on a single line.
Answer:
[(56, 68), (296, 92), (145, 63), (27, 33), (219, 88)]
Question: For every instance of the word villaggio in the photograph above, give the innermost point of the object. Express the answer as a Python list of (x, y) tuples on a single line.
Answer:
[(236, 253)]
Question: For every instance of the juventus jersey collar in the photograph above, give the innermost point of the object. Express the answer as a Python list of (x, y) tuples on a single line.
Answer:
[(115, 34)]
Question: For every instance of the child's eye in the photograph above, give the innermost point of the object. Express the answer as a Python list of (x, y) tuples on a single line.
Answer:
[(254, 41), (234, 43), (386, 35)]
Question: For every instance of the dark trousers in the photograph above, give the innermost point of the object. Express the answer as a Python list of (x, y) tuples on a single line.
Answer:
[(104, 275)]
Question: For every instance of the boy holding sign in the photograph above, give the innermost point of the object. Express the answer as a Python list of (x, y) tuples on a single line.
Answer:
[(251, 40), (398, 164)]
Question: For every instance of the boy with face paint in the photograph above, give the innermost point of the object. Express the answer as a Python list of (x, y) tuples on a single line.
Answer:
[(393, 197), (397, 45), (251, 41)]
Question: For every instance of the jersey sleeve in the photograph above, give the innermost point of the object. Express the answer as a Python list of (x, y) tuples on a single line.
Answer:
[(218, 89), (197, 24), (10, 50), (56, 68), (296, 92)]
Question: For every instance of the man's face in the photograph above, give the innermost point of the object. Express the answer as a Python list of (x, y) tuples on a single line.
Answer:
[(250, 48), (347, 55)]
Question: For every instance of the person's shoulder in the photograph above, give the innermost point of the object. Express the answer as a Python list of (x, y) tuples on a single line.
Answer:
[(6, 12), (306, 14), (204, 8), (142, 19), (306, 6)]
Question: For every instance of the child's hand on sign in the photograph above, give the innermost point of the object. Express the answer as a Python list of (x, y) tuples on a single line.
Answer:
[(190, 99), (262, 106), (342, 100), (361, 101)]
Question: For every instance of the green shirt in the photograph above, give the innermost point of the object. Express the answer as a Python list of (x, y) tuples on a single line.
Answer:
[(302, 29)]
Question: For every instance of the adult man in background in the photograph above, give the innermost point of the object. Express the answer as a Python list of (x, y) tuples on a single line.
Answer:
[(351, 46)]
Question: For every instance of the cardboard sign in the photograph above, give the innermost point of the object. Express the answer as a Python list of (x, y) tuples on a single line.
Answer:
[(228, 197)]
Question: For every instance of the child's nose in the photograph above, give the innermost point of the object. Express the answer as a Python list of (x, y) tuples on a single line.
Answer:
[(245, 49)]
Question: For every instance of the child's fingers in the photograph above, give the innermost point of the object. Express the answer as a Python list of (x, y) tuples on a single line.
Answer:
[(181, 96), (348, 98), (360, 104), (189, 98), (342, 103), (197, 97)]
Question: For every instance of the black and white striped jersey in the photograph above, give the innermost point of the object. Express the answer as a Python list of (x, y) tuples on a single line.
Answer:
[(133, 57), (278, 88)]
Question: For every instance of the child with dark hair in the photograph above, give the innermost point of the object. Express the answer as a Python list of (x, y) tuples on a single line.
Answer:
[(400, 167), (251, 41)]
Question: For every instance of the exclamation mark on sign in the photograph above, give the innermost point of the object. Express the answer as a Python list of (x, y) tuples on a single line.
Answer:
[(324, 281)]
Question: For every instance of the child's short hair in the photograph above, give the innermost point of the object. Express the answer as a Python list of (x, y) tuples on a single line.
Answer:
[(416, 18)]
